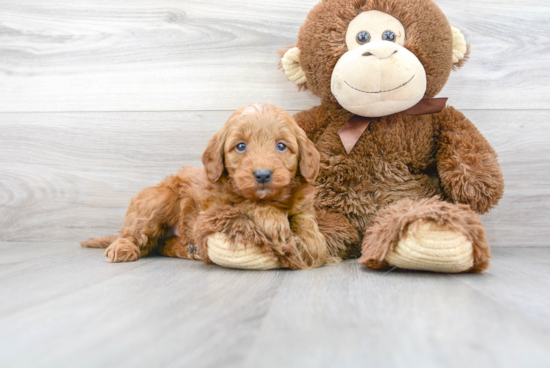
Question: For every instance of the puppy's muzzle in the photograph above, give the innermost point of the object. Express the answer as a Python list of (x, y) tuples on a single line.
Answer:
[(263, 176)]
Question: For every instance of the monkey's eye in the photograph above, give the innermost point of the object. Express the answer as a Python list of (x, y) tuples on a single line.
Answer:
[(388, 36), (241, 147), (363, 37), (281, 147)]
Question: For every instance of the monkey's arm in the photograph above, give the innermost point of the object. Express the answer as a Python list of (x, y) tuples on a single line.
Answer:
[(313, 121), (466, 162)]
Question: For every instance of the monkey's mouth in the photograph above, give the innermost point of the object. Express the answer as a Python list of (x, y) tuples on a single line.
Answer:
[(388, 90)]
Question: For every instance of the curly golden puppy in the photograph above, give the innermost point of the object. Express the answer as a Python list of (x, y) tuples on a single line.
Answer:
[(254, 189)]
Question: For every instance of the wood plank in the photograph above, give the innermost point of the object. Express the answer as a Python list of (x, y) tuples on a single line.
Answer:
[(220, 55), (510, 270), (78, 310), (70, 176), (394, 320), (62, 173)]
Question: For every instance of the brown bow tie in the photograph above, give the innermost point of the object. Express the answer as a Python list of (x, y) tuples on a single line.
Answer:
[(354, 127)]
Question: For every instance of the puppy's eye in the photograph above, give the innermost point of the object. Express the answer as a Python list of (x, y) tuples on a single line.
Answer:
[(281, 147), (241, 147), (363, 37), (388, 36)]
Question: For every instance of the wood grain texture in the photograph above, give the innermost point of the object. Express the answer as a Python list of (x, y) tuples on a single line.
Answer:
[(64, 306), (70, 176), (219, 55)]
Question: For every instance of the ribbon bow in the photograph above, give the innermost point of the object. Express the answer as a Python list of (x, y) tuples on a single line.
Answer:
[(354, 127)]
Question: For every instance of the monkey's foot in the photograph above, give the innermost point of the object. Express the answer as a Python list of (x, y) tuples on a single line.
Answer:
[(249, 257), (431, 247), (428, 235)]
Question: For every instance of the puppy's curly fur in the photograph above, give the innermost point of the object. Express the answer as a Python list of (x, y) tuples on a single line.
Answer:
[(178, 215)]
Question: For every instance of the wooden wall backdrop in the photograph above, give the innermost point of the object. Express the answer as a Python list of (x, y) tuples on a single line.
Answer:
[(101, 98)]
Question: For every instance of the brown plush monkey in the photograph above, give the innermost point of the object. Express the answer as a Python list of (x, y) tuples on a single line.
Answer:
[(402, 176)]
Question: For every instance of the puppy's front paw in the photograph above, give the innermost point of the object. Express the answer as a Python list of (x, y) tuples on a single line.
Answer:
[(122, 250), (273, 223), (279, 232)]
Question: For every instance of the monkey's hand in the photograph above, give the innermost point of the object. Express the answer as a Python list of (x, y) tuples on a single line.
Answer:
[(467, 164)]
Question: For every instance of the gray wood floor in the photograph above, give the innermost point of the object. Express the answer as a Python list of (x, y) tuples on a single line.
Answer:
[(65, 306)]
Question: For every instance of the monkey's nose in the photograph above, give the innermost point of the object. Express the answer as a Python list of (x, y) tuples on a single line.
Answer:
[(381, 50), (262, 175)]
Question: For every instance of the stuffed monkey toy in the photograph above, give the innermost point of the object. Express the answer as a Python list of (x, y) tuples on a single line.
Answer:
[(403, 175)]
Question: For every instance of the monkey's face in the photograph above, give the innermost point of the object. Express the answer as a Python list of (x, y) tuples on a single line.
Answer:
[(377, 76), (375, 57)]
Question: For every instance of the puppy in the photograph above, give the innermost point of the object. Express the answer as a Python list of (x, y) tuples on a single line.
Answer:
[(254, 189)]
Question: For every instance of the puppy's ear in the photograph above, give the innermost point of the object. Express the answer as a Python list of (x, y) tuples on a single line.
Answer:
[(309, 156), (212, 157)]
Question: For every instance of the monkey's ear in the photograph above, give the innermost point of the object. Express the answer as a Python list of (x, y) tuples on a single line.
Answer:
[(461, 50), (212, 157), (290, 63), (309, 156)]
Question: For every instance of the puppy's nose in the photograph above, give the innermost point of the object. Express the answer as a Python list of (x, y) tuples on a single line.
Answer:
[(262, 175)]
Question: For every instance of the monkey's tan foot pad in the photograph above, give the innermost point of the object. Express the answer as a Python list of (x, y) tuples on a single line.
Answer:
[(428, 246), (250, 257)]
